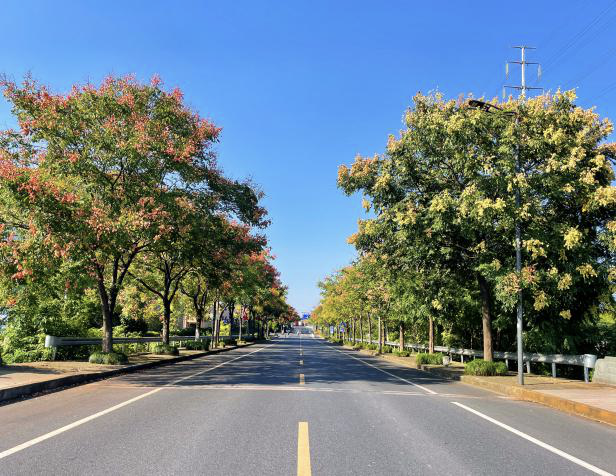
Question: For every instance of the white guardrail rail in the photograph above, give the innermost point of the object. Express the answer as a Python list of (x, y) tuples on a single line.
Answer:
[(55, 342), (586, 360)]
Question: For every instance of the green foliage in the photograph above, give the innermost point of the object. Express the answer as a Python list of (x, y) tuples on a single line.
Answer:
[(108, 358), (429, 359), (197, 345), (437, 248), (164, 349), (485, 368), (335, 340), (401, 353)]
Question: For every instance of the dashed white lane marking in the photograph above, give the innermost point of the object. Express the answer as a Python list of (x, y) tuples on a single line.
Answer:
[(540, 443), (77, 423), (425, 389)]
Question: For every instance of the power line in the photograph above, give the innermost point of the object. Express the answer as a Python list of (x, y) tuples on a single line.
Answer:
[(562, 52), (605, 59)]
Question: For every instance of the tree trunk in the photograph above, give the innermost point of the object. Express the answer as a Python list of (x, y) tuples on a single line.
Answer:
[(231, 313), (380, 334), (166, 321), (216, 305), (241, 322), (107, 329), (199, 321), (107, 308), (353, 331), (486, 317), (431, 335), (369, 329), (361, 328), (401, 343)]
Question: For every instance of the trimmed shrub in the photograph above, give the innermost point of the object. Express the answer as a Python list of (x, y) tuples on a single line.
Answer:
[(429, 359), (197, 345), (401, 353), (108, 358), (371, 346), (164, 349), (231, 342), (387, 349), (357, 346), (485, 368)]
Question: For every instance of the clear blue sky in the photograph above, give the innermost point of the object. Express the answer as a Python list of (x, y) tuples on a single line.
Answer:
[(300, 87)]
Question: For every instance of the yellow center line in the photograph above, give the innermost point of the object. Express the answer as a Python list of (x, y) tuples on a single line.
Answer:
[(301, 379), (303, 450)]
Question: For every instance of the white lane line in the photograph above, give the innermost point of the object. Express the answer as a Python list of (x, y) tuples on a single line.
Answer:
[(77, 423), (432, 392), (540, 443)]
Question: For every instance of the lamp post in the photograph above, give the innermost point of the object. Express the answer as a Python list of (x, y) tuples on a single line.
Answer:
[(491, 108)]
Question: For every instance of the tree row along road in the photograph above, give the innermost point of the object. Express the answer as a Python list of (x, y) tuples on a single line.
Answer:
[(295, 405)]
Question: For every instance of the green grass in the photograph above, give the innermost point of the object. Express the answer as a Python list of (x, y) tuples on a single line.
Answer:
[(485, 368), (429, 359), (108, 358), (164, 349)]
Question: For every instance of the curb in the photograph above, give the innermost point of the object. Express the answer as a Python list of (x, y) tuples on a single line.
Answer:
[(524, 394), (7, 395)]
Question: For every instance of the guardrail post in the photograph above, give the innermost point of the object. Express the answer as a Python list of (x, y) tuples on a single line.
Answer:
[(554, 369), (528, 366), (507, 363), (462, 358), (586, 375)]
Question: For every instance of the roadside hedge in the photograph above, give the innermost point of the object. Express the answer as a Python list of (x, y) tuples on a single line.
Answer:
[(429, 359), (484, 368), (108, 358)]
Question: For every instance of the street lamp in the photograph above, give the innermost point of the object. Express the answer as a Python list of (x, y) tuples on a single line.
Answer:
[(491, 108)]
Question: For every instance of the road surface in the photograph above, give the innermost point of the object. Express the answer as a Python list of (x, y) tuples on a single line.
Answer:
[(294, 405)]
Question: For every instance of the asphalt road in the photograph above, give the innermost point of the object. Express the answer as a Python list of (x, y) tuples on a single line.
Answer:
[(295, 405)]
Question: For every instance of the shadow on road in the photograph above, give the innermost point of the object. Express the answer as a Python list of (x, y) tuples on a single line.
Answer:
[(324, 364)]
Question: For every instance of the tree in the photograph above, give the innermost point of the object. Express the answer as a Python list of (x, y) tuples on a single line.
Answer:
[(94, 173), (442, 198)]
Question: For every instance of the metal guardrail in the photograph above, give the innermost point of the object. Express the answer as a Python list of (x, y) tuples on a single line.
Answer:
[(586, 360), (54, 341)]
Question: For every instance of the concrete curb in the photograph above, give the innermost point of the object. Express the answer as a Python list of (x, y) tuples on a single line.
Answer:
[(21, 391), (520, 393)]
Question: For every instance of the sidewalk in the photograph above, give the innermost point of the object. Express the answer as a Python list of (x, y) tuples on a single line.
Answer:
[(22, 380), (591, 400)]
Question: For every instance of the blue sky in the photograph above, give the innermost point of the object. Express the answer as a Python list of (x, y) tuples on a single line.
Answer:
[(301, 87)]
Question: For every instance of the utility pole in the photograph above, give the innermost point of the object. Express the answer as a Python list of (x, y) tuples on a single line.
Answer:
[(518, 203), (522, 87)]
